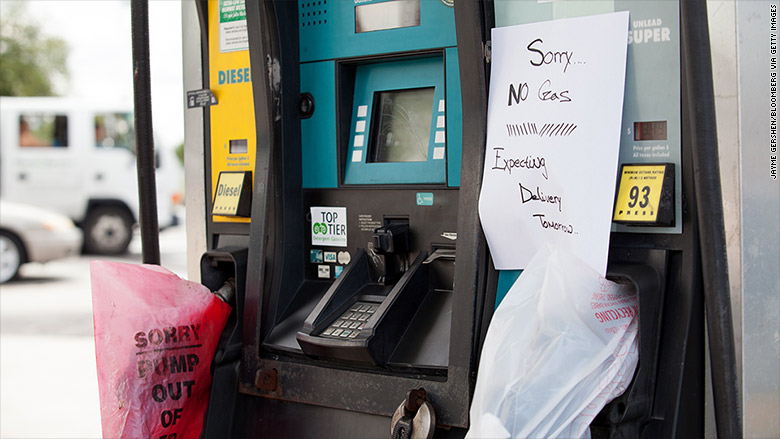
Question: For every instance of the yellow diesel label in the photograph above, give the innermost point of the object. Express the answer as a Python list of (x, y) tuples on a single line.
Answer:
[(228, 193), (639, 193), (233, 141)]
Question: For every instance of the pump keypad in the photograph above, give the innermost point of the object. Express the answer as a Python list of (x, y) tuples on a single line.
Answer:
[(352, 321)]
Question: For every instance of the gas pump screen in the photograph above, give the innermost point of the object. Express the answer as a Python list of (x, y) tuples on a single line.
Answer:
[(398, 129), (401, 125)]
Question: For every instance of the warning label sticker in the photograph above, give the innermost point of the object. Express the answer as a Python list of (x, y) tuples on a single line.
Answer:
[(233, 35)]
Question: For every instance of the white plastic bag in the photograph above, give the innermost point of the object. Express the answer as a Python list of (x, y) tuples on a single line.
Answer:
[(561, 345)]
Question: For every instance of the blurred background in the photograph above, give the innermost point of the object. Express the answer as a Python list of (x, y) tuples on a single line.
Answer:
[(75, 51)]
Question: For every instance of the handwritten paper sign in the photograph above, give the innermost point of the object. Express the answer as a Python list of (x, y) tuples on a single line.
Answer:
[(554, 115)]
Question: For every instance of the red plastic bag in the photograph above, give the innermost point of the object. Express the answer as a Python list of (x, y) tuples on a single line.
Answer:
[(155, 337)]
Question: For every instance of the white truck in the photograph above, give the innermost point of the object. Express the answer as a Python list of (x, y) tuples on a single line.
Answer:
[(77, 157)]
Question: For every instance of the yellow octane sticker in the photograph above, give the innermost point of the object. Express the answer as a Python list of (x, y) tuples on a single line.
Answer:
[(639, 193)]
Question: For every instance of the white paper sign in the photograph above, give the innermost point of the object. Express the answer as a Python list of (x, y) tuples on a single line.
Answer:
[(329, 226), (554, 118)]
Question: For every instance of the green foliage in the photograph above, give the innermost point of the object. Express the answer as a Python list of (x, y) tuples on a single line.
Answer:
[(180, 153), (30, 62)]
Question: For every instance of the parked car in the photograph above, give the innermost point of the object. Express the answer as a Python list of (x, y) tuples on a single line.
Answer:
[(34, 234)]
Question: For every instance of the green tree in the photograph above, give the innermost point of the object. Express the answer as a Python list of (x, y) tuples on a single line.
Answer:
[(30, 62), (180, 153)]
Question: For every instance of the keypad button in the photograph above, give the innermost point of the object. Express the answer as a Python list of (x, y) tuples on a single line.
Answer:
[(349, 324)]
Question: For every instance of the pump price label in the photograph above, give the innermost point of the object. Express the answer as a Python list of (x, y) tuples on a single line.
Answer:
[(639, 193), (329, 226)]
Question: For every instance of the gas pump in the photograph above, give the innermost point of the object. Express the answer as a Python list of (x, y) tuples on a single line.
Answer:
[(353, 141), (343, 147)]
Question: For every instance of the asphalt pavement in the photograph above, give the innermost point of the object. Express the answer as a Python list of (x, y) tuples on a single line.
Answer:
[(48, 380)]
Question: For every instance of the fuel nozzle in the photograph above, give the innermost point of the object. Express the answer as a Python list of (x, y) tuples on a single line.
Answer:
[(227, 290)]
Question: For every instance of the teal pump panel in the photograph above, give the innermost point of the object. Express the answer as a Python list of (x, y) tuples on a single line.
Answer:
[(398, 63), (382, 83), (406, 127)]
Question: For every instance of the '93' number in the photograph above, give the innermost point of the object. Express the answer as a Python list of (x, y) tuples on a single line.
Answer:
[(636, 198)]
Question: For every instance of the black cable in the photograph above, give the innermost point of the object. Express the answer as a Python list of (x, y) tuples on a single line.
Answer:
[(717, 296), (144, 139)]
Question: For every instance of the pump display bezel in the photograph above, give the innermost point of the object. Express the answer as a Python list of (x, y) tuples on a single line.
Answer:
[(396, 75)]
